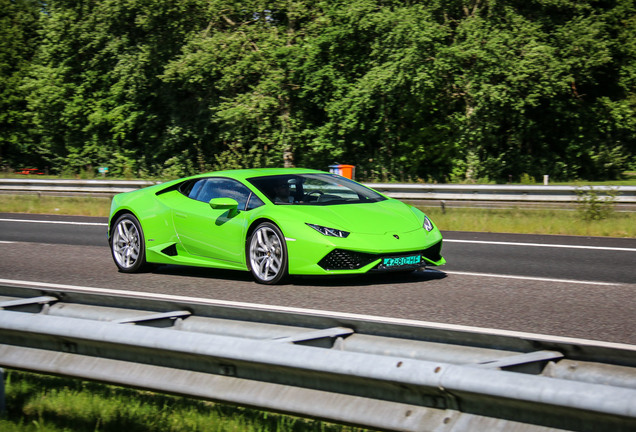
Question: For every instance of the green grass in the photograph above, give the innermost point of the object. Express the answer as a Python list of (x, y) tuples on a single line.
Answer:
[(627, 179), (524, 221), (627, 182), (45, 204), (53, 404)]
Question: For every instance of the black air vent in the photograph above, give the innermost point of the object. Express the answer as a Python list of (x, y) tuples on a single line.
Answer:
[(339, 259), (433, 253), (170, 250)]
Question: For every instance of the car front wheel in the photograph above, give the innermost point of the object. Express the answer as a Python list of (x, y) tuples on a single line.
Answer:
[(267, 254), (127, 244)]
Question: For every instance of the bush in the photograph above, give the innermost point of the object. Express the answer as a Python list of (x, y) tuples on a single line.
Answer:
[(527, 179), (595, 204)]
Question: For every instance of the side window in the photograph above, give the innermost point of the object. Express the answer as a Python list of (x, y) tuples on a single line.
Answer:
[(254, 202), (192, 188), (206, 189)]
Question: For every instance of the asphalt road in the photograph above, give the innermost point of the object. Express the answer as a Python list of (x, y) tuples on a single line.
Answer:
[(565, 286)]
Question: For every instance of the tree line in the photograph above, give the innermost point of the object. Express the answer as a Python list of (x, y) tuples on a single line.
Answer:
[(438, 90)]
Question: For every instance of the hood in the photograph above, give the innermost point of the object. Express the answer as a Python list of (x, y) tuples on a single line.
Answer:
[(369, 218)]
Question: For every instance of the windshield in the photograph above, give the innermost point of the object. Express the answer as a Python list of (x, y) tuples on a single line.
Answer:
[(314, 189)]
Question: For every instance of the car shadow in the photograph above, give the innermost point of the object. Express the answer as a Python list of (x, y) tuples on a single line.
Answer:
[(203, 272), (372, 278), (379, 278)]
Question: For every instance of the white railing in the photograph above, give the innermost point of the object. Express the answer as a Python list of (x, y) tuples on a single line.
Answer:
[(625, 195), (393, 376), (71, 187), (505, 193)]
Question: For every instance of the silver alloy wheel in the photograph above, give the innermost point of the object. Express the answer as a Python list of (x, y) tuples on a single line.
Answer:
[(267, 254), (126, 244)]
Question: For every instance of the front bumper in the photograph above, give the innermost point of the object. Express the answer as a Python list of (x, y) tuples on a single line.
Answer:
[(359, 253), (342, 259)]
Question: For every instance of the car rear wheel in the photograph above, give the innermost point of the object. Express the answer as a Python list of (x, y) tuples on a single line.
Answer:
[(267, 254), (127, 244)]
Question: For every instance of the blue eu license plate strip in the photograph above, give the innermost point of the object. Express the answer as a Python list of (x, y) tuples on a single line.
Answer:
[(403, 261)]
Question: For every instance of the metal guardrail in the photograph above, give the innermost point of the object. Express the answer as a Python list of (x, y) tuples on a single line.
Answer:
[(516, 193), (393, 376), (59, 187), (626, 195)]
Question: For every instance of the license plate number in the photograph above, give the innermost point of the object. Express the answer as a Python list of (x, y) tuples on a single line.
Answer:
[(404, 261)]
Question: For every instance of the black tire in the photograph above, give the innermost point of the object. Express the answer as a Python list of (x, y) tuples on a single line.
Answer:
[(266, 254), (127, 244)]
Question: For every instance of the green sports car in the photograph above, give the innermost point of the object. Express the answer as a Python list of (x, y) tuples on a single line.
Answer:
[(272, 222)]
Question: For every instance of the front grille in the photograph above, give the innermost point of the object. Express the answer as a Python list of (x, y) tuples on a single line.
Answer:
[(339, 259)]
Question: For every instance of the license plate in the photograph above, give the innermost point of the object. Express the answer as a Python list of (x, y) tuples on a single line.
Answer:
[(402, 261)]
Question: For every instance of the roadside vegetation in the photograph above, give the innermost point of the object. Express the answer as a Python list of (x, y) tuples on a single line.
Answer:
[(52, 404), (442, 90), (528, 221), (626, 178), (594, 217), (44, 204)]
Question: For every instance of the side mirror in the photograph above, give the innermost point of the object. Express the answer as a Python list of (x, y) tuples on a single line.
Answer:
[(225, 204)]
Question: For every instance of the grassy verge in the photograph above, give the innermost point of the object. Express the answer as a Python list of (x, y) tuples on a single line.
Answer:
[(44, 204), (52, 404), (524, 221)]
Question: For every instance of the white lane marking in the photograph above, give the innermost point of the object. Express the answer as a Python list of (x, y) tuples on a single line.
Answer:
[(493, 275), (55, 222), (542, 245), (445, 240), (317, 312), (532, 278)]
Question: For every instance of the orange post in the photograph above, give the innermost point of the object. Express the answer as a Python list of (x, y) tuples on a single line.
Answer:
[(348, 171)]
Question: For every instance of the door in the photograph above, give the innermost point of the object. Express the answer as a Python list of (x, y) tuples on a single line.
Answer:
[(218, 234)]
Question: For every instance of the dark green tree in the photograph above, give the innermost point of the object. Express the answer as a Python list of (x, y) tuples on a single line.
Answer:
[(370, 78), (95, 90), (239, 74), (18, 42), (461, 90), (529, 78)]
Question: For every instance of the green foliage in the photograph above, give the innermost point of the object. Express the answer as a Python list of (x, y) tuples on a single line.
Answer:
[(595, 204), (18, 43), (527, 179), (471, 90)]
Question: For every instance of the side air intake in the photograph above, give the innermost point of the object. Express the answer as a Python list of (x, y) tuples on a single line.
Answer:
[(170, 250)]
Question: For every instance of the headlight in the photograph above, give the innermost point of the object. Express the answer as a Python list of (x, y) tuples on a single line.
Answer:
[(331, 232), (428, 225)]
